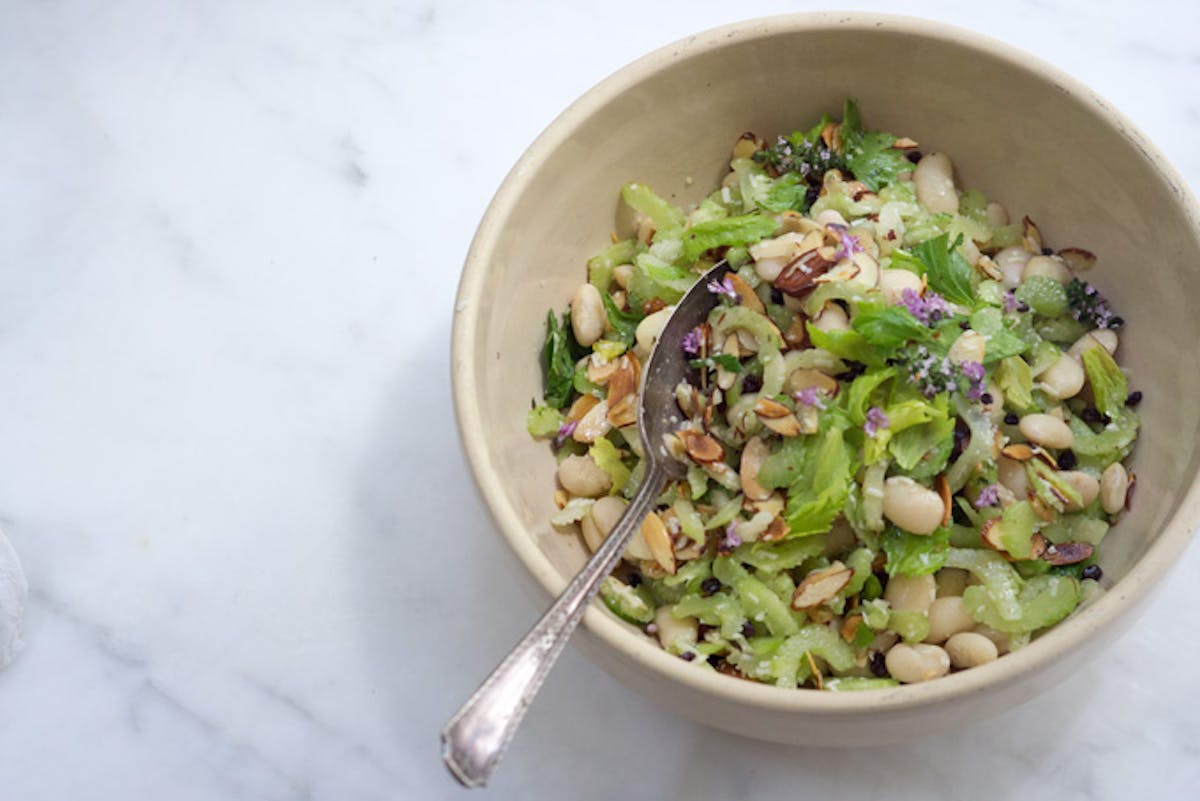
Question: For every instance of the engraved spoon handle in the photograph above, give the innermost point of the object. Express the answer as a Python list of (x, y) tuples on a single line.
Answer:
[(475, 738)]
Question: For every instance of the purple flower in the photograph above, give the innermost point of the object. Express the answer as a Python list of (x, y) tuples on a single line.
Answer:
[(849, 244), (988, 496), (928, 310), (731, 539), (691, 342), (564, 431), (876, 419), (974, 373), (809, 397), (1010, 301), (723, 287)]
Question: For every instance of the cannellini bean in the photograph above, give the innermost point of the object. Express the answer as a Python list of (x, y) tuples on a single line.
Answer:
[(911, 506), (969, 347), (1101, 337), (910, 664), (621, 274), (1114, 484), (600, 520), (587, 315), (1063, 379), (999, 639), (780, 247), (675, 634), (581, 476), (947, 617), (648, 330), (968, 649), (1085, 484), (894, 282), (1047, 431), (769, 269), (951, 581), (830, 216), (911, 593), (1047, 266), (934, 181), (1012, 475), (832, 318), (996, 214), (1011, 261)]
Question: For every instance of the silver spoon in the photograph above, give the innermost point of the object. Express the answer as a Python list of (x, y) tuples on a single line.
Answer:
[(475, 738)]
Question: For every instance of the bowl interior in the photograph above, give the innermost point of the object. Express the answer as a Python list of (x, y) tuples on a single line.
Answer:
[(1019, 131)]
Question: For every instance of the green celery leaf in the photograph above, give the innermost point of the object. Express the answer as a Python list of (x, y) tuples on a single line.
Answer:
[(947, 271)]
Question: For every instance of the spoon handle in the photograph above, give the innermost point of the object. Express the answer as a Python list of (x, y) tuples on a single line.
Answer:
[(475, 738)]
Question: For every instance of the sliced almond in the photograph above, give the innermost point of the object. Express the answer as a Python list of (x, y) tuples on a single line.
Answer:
[(1042, 510), (1038, 545), (1031, 236), (904, 143), (844, 270), (1078, 259), (561, 498), (830, 135), (785, 426), (689, 399), (653, 305), (810, 419), (624, 413), (674, 446), (624, 382), (599, 371), (1068, 553), (943, 489), (582, 405), (776, 530), (816, 671), (753, 455), (800, 274), (746, 145), (868, 269), (821, 586), (658, 540), (651, 569), (804, 377), (796, 335), (703, 448), (593, 425), (770, 409), (990, 534), (989, 268), (773, 503), (850, 627), (746, 294), (1018, 451)]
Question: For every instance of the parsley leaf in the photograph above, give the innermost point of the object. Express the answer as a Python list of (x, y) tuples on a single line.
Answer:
[(947, 271), (869, 154), (557, 359), (624, 323), (890, 327)]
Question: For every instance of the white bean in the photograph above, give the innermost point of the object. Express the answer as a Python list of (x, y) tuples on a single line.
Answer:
[(1012, 475), (1114, 484), (947, 617), (915, 663), (587, 315), (581, 476), (1048, 266), (1085, 484), (600, 520), (894, 282), (769, 269), (911, 593), (1000, 639), (996, 214), (968, 347), (832, 318), (1012, 261), (934, 181), (969, 649), (1047, 431), (912, 507), (1100, 337), (648, 330), (621, 274), (675, 634), (1063, 379)]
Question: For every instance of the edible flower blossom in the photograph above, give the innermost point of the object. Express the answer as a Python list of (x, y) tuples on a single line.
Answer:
[(974, 373), (988, 496), (1010, 302), (876, 419), (691, 342), (930, 309), (848, 245), (809, 396), (731, 539), (564, 431), (723, 287), (1089, 307)]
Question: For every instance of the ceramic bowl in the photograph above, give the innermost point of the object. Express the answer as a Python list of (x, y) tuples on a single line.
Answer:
[(1022, 131)]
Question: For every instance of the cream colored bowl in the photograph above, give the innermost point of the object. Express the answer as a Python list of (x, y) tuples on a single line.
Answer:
[(1025, 133)]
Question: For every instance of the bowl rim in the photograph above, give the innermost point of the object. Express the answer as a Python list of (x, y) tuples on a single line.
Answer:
[(1133, 587)]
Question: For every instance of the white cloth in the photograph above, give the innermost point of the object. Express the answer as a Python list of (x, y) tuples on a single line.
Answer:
[(13, 590)]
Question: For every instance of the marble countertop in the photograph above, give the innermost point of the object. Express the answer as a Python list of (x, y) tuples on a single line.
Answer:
[(231, 237)]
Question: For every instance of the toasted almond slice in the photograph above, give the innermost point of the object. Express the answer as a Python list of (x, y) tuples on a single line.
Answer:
[(593, 425), (821, 586), (746, 342), (1038, 545), (753, 455), (1018, 451), (800, 274), (850, 627), (691, 550), (810, 419), (775, 531), (624, 413), (599, 372), (703, 448), (990, 534), (804, 377), (868, 269), (904, 143), (796, 335), (989, 268), (658, 540), (651, 569), (561, 498), (1129, 491), (689, 399), (812, 664), (773, 503), (674, 446), (1068, 553), (1041, 509), (845, 270), (1031, 236), (653, 305), (624, 381), (784, 426), (1078, 259), (830, 135), (943, 489), (770, 409), (746, 294), (582, 405), (746, 145)]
